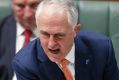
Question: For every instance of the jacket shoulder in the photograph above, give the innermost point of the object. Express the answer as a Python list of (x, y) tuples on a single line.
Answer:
[(27, 58), (91, 35)]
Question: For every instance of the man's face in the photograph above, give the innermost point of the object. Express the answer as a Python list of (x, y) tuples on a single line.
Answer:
[(56, 35), (24, 11)]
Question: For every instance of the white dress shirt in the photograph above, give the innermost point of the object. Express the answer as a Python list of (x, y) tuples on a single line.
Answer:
[(20, 38)]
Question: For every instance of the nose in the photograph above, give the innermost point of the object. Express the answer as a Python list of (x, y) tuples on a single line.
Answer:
[(28, 12), (52, 43)]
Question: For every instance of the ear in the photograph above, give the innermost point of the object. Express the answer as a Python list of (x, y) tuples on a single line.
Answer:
[(77, 27)]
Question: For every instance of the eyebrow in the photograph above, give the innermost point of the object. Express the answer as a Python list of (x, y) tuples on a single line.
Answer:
[(57, 34)]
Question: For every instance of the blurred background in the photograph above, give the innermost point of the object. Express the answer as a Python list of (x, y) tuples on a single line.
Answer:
[(5, 8)]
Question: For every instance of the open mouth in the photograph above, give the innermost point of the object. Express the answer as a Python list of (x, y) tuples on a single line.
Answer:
[(56, 51)]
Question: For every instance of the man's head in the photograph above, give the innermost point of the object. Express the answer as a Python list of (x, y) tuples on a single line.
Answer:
[(56, 21), (24, 11)]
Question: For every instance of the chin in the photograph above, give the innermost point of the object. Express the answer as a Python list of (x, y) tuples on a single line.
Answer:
[(54, 59)]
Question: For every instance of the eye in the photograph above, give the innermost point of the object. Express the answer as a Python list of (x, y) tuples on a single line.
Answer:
[(34, 5), (59, 36), (20, 5), (44, 35)]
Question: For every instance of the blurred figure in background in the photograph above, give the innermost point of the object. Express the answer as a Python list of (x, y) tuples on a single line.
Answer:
[(16, 31)]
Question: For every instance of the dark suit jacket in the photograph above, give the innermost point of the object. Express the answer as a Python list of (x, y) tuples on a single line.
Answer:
[(7, 47), (94, 60)]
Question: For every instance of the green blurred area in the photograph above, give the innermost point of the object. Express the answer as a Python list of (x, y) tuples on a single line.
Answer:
[(5, 8)]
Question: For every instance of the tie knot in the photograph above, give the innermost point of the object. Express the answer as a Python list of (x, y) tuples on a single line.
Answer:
[(27, 32), (64, 62)]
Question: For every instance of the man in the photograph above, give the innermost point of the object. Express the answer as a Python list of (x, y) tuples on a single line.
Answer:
[(13, 32), (88, 56)]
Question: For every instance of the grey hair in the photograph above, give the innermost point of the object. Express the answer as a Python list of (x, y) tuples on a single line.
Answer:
[(68, 5)]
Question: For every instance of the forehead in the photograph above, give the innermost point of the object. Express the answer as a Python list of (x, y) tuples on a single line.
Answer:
[(52, 14), (26, 1)]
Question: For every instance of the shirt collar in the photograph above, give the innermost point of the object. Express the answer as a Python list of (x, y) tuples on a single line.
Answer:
[(70, 57), (21, 29)]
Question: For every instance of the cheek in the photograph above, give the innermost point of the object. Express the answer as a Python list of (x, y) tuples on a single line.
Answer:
[(43, 43), (19, 13), (67, 44), (32, 11)]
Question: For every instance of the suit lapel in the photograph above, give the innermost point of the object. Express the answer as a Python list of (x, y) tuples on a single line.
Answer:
[(52, 71), (83, 62), (49, 69)]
